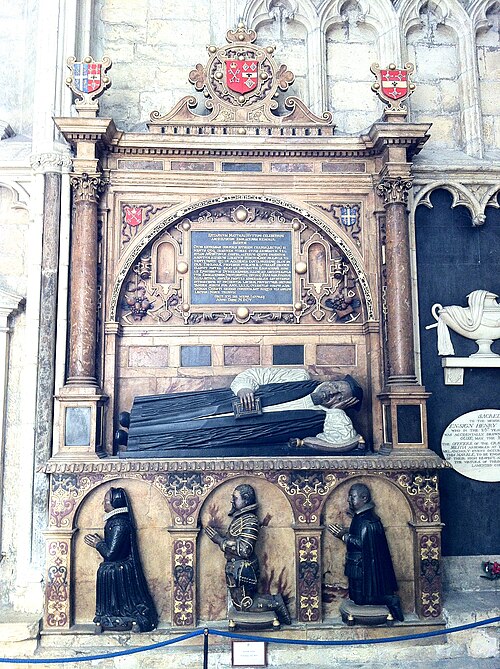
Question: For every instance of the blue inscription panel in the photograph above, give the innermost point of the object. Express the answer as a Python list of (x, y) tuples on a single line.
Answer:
[(240, 267)]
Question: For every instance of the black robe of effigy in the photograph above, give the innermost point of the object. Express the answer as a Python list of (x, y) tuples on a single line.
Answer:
[(180, 424), (122, 594), (368, 563)]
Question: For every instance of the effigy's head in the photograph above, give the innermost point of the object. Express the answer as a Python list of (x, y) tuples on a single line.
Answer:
[(332, 393), (116, 498), (359, 495), (243, 496)]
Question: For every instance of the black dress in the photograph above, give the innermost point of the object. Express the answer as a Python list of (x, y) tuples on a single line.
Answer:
[(122, 595)]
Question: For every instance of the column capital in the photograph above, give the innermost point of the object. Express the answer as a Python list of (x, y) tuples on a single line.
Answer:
[(394, 190), (51, 161), (87, 187)]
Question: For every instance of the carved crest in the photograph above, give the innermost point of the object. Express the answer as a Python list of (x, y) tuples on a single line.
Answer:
[(88, 81), (393, 85), (240, 83)]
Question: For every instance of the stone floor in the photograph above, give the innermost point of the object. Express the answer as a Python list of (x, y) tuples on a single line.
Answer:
[(472, 649)]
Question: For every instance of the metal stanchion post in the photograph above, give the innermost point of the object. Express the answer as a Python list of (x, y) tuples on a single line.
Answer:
[(205, 648)]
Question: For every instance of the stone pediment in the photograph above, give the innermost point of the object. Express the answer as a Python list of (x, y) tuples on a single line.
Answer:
[(241, 83)]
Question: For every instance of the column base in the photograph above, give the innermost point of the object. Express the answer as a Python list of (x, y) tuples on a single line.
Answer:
[(81, 420), (404, 418)]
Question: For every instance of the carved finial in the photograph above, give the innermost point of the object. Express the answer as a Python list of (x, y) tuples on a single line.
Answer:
[(241, 35), (393, 85), (88, 81)]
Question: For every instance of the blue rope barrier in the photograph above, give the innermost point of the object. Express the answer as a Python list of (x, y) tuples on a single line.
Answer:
[(103, 656), (354, 642), (250, 637)]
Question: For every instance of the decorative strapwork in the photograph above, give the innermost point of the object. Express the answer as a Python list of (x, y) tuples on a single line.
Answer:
[(241, 82), (88, 81), (393, 85)]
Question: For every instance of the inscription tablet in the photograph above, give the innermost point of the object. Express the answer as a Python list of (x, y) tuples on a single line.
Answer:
[(471, 443), (239, 267)]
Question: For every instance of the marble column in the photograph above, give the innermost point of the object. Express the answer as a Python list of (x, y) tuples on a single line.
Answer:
[(83, 282), (51, 165), (400, 346)]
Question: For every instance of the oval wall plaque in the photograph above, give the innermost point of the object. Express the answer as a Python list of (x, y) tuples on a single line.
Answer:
[(471, 443)]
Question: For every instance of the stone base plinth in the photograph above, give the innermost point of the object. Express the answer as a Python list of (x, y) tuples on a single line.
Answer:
[(352, 614)]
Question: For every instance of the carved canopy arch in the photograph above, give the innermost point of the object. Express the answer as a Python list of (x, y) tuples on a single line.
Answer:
[(475, 202), (305, 283), (482, 12), (379, 15), (444, 12), (20, 196), (259, 12)]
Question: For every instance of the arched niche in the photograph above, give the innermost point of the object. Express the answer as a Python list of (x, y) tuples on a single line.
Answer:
[(488, 59), (135, 279), (438, 44), (152, 520), (395, 513), (351, 47), (275, 547)]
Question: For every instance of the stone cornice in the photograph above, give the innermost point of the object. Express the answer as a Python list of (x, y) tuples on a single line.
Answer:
[(101, 131), (414, 461)]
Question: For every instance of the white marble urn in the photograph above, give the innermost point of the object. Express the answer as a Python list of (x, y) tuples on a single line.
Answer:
[(479, 321)]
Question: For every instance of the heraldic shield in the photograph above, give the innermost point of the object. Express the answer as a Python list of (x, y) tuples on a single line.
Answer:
[(87, 76), (393, 85), (242, 75)]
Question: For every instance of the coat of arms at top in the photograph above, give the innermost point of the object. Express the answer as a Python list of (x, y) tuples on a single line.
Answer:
[(393, 86), (88, 81), (240, 83)]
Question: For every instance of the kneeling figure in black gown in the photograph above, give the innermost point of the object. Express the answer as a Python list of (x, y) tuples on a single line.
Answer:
[(123, 601), (368, 565)]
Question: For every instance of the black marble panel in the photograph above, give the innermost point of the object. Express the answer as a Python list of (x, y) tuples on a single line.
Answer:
[(288, 354), (196, 356)]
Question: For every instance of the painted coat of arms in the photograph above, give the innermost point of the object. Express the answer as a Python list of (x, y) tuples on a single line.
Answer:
[(241, 83), (88, 79), (242, 75), (393, 85)]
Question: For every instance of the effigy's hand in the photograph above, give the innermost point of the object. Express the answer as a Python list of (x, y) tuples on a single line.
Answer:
[(92, 539), (345, 404), (337, 530), (247, 398), (213, 535)]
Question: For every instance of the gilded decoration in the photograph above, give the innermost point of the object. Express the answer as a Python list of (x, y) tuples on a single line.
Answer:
[(309, 579), (184, 492), (57, 586), (277, 267), (67, 492), (307, 491), (422, 492), (430, 577), (184, 583)]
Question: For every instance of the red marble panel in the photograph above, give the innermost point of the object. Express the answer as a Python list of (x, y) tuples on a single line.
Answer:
[(336, 354), (241, 355)]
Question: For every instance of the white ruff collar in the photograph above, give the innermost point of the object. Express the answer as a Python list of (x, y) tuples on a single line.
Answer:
[(115, 512)]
